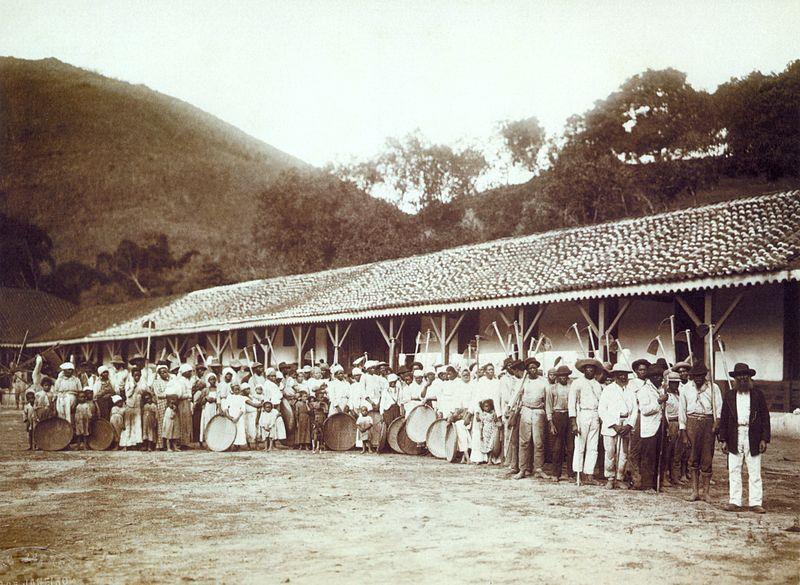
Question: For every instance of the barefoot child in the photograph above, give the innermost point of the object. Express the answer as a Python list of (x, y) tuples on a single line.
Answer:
[(319, 412), (83, 417), (149, 422), (117, 418), (489, 430), (171, 431), (267, 424), (364, 424), (29, 417)]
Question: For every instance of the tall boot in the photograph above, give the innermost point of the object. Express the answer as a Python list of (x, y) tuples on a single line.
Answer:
[(695, 478), (705, 480)]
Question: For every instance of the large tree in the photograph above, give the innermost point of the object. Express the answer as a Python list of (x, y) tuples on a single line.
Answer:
[(149, 268), (761, 117), (418, 172)]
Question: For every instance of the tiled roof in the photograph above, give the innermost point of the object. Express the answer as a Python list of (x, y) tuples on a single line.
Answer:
[(33, 310), (731, 240)]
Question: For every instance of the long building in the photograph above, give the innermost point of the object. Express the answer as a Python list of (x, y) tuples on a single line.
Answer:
[(732, 265)]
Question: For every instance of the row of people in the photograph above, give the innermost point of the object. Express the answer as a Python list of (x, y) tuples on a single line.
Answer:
[(648, 421)]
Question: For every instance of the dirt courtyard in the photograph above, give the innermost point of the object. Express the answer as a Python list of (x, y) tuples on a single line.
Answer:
[(292, 517)]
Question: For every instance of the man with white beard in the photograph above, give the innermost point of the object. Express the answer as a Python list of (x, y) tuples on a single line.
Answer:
[(744, 430)]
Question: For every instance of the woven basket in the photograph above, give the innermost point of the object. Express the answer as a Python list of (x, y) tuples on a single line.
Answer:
[(419, 421), (394, 429), (339, 432), (406, 445), (220, 433), (102, 435), (53, 434), (436, 438), (451, 451)]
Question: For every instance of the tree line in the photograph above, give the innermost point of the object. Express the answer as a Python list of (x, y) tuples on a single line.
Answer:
[(652, 145)]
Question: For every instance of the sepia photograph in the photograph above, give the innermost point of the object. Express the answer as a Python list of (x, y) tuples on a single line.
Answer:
[(399, 291)]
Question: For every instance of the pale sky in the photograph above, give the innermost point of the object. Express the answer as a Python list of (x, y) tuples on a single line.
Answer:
[(331, 80)]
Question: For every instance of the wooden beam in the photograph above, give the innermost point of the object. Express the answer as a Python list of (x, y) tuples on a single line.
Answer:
[(620, 313), (436, 330), (455, 329), (734, 303), (692, 315), (383, 331), (534, 321), (588, 318), (505, 319)]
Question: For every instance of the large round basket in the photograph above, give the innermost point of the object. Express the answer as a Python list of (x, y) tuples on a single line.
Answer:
[(391, 435), (406, 445), (287, 414), (436, 437), (102, 435), (53, 434), (220, 433), (451, 452), (339, 432), (419, 421)]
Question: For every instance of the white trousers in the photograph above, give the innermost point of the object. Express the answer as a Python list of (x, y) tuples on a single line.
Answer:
[(611, 464), (754, 488), (64, 404), (585, 455)]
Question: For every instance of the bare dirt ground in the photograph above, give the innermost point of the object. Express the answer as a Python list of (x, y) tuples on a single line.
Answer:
[(292, 517)]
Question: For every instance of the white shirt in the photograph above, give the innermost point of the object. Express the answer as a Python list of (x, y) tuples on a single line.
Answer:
[(584, 394), (486, 389), (649, 410), (451, 396), (694, 401), (743, 408), (389, 397), (272, 392), (617, 407), (339, 395)]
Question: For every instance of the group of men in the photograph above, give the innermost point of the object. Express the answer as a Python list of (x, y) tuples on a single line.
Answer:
[(654, 424)]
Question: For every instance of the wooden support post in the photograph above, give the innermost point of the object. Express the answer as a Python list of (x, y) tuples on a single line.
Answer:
[(601, 330)]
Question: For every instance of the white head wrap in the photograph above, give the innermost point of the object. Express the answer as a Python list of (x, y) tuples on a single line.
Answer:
[(270, 372), (116, 399), (102, 370), (417, 373), (336, 368), (67, 366), (185, 368), (392, 378), (357, 372), (230, 371)]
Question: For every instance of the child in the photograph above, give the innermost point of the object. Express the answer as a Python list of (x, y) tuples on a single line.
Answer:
[(83, 417), (149, 422), (171, 431), (267, 424), (117, 417), (29, 417), (319, 412), (489, 429), (364, 424), (235, 409), (303, 414), (257, 400)]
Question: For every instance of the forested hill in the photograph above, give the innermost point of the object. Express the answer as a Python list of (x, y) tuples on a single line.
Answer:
[(94, 160)]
